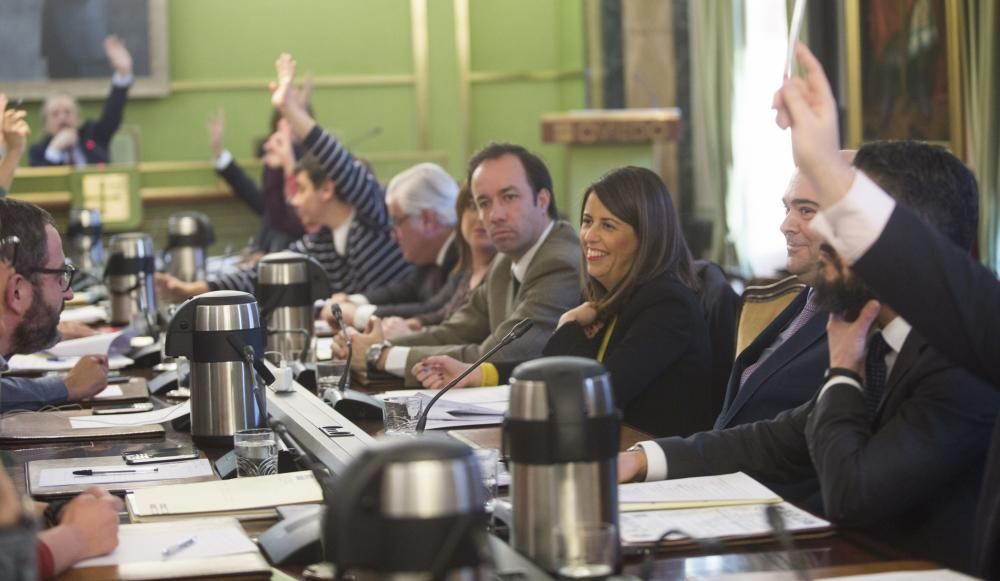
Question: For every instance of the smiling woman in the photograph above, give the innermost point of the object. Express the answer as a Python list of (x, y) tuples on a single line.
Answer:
[(640, 314)]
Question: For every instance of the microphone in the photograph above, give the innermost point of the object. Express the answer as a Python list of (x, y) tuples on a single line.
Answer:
[(339, 316), (519, 328)]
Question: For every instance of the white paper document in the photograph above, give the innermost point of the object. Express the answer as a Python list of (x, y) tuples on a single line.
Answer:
[(87, 315), (143, 543), (109, 391), (138, 419), (714, 522), (736, 488), (117, 343), (185, 469), (793, 34), (240, 494), (36, 363)]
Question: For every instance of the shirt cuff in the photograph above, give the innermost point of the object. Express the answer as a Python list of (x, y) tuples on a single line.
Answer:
[(55, 156), (656, 460), (395, 360), (491, 376), (853, 224), (121, 81), (222, 162), (358, 299), (840, 380), (361, 316)]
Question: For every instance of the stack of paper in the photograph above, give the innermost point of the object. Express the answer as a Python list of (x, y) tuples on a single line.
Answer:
[(244, 498), (725, 490), (720, 522), (203, 548)]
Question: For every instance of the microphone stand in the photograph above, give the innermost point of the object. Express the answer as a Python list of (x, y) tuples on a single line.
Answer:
[(351, 403), (339, 315), (520, 328)]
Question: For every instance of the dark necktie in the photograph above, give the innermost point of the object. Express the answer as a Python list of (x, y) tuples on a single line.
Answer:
[(516, 286), (875, 372)]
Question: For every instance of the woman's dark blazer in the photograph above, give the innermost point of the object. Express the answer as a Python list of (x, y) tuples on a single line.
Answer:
[(659, 358)]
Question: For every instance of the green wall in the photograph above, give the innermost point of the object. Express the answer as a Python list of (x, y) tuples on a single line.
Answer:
[(236, 41)]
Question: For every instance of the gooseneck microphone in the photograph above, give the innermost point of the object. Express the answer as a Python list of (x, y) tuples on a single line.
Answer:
[(339, 316), (519, 328)]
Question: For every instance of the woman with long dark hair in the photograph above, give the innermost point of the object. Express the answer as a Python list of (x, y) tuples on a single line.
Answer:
[(640, 315)]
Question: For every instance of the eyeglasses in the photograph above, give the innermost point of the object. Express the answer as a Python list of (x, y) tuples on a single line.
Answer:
[(65, 273), (8, 249)]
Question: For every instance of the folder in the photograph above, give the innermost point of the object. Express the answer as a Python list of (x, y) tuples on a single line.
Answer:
[(44, 427), (252, 498)]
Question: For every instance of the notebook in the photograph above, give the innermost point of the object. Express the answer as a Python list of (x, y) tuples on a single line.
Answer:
[(55, 478)]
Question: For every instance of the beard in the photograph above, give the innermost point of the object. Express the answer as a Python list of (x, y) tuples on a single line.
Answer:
[(39, 329), (843, 296)]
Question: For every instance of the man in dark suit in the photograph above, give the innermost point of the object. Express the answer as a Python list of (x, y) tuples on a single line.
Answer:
[(942, 291), (898, 453), (65, 141), (782, 367)]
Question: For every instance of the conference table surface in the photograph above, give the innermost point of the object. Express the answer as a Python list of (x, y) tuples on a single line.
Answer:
[(842, 553)]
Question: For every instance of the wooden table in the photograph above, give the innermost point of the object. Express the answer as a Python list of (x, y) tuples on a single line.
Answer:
[(836, 555)]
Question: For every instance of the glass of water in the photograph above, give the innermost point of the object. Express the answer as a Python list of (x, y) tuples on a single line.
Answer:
[(256, 452), (488, 460), (329, 374), (402, 414), (586, 551)]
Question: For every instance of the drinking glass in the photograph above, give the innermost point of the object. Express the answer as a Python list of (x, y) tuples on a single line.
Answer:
[(256, 452), (402, 414), (587, 551)]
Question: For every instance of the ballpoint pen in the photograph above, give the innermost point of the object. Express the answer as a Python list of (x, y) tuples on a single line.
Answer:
[(96, 471), (174, 549)]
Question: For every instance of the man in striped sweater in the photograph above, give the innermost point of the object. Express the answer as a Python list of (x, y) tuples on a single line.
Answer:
[(335, 192)]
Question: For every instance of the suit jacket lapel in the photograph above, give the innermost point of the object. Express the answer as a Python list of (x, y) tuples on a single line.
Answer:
[(753, 351), (905, 362), (812, 331)]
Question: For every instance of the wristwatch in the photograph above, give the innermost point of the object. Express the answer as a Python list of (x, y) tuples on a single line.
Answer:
[(373, 354)]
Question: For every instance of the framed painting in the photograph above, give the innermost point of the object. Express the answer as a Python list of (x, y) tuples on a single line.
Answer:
[(903, 71), (54, 46)]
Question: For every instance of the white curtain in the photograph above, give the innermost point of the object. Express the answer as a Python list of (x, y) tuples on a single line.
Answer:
[(762, 154)]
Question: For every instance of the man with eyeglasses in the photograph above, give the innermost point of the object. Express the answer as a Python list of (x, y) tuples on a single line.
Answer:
[(33, 298), (84, 527)]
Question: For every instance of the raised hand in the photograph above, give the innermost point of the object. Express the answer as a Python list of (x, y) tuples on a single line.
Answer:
[(282, 91), (806, 105), (119, 56), (15, 131), (216, 131)]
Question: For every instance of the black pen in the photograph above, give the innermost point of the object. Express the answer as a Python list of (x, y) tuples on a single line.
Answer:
[(96, 471)]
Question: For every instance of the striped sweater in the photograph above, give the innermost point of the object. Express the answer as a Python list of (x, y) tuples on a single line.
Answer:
[(373, 258)]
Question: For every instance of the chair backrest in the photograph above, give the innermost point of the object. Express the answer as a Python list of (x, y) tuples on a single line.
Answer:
[(760, 305), (720, 304), (124, 148)]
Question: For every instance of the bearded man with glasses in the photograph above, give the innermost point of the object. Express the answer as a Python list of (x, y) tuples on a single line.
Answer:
[(33, 298)]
